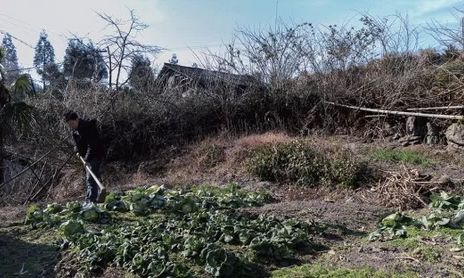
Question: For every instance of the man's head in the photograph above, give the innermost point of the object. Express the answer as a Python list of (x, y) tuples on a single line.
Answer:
[(72, 119)]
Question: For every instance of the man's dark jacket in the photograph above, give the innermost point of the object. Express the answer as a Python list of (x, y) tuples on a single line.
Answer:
[(88, 142)]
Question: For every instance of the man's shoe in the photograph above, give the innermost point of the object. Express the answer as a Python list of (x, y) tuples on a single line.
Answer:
[(87, 204)]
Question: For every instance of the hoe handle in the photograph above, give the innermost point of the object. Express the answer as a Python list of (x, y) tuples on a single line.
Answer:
[(87, 168)]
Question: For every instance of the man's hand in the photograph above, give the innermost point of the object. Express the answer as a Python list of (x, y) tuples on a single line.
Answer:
[(82, 159)]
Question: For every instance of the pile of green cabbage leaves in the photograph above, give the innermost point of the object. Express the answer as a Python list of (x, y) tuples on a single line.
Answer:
[(446, 211), (159, 232)]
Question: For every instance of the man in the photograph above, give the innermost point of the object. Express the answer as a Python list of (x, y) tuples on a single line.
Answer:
[(89, 146)]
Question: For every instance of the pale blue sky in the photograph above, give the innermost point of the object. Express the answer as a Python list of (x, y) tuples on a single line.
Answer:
[(183, 25)]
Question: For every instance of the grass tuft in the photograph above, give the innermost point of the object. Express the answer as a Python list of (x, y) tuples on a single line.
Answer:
[(403, 156), (317, 270)]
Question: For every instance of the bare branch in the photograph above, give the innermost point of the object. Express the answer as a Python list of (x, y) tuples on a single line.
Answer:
[(122, 46), (448, 35)]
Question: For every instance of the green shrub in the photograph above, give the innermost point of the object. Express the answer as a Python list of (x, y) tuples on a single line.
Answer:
[(302, 163), (292, 161), (346, 169)]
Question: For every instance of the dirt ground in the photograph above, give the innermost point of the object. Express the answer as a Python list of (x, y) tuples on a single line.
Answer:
[(347, 225)]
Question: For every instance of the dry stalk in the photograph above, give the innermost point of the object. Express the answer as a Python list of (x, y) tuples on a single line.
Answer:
[(406, 189)]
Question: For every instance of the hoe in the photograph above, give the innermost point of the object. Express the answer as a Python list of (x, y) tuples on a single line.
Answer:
[(102, 189)]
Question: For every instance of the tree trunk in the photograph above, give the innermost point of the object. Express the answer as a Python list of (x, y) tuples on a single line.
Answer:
[(43, 73), (2, 170), (4, 100), (110, 68), (391, 112)]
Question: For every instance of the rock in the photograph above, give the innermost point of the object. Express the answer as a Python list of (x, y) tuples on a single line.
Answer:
[(455, 136), (432, 136), (416, 130), (416, 126)]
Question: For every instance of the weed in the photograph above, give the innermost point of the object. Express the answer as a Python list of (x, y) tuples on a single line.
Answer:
[(211, 155), (416, 236), (317, 270), (404, 156), (426, 253)]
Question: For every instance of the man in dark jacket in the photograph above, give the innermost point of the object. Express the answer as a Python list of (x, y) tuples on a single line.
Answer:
[(89, 146)]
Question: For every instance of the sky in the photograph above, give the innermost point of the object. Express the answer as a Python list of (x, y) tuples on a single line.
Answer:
[(192, 27)]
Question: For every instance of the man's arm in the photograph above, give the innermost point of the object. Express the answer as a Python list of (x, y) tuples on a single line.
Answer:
[(80, 147), (93, 140)]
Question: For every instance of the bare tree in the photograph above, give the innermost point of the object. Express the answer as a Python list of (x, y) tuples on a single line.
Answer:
[(121, 46), (446, 34), (274, 56), (286, 51), (393, 34)]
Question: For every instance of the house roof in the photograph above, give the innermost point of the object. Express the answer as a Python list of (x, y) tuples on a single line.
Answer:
[(204, 75)]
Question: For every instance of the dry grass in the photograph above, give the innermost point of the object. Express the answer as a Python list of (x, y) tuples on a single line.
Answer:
[(10, 214), (197, 165), (114, 176), (70, 187), (407, 189), (260, 139), (399, 187)]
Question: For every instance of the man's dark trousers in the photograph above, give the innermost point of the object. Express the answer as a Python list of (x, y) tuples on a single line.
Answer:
[(92, 187)]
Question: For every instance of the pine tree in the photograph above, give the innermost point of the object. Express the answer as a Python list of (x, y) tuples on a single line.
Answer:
[(44, 55), (141, 75), (84, 61), (10, 60), (54, 76)]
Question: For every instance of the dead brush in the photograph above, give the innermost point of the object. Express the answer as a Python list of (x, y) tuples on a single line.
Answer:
[(407, 189)]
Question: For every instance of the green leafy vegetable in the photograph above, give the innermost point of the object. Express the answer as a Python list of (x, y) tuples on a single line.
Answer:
[(71, 228)]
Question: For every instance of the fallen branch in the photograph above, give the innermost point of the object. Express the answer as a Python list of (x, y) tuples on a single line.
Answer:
[(375, 116), (406, 189), (34, 163), (27, 168), (436, 108), (56, 173), (37, 183), (391, 112)]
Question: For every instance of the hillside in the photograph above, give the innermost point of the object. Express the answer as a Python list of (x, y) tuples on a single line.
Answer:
[(215, 217), (299, 150)]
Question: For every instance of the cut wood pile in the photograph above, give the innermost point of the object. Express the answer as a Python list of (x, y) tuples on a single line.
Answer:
[(409, 189)]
